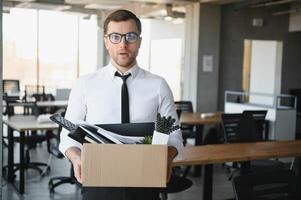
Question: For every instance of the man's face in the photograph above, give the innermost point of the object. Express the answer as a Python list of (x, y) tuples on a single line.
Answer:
[(124, 53)]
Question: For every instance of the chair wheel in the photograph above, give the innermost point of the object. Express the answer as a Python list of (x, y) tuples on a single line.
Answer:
[(50, 184), (51, 192), (48, 170)]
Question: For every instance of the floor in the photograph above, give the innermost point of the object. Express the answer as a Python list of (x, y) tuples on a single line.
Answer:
[(37, 186)]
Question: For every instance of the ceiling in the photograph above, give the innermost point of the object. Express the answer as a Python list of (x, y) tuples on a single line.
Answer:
[(143, 8)]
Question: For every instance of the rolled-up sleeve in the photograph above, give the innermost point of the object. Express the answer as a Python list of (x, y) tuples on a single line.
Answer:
[(167, 108), (76, 111)]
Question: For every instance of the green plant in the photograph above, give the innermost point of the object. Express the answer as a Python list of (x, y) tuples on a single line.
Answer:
[(147, 140)]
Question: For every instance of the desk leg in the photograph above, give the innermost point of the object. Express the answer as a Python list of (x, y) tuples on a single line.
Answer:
[(198, 141), (298, 159), (22, 167), (10, 155), (207, 181)]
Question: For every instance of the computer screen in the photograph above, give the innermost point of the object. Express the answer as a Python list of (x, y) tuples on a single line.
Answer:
[(130, 129), (11, 87)]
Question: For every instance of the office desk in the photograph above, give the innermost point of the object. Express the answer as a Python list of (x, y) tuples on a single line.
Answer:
[(195, 119), (221, 153), (21, 123), (62, 104)]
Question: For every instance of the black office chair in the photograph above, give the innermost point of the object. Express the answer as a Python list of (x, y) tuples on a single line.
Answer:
[(280, 185), (59, 180), (247, 127), (187, 130), (260, 123), (32, 138)]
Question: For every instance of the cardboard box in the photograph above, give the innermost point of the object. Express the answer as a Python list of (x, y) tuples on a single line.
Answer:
[(123, 165)]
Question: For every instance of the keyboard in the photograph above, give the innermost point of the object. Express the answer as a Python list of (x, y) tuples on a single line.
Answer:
[(60, 120)]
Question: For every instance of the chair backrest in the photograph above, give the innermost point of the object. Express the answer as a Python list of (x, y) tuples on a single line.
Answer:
[(269, 185), (238, 127), (62, 94), (34, 91), (184, 106), (260, 122)]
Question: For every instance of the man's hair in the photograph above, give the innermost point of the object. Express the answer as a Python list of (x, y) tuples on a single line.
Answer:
[(121, 15)]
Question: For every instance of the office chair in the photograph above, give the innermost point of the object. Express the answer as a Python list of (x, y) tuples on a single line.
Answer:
[(187, 130), (247, 127), (261, 124), (280, 185), (59, 180), (62, 94), (32, 138), (34, 89)]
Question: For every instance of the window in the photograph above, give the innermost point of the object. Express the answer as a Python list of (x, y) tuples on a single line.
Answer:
[(161, 52), (48, 48)]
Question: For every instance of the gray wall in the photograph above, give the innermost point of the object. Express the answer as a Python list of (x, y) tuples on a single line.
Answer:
[(209, 40), (236, 25)]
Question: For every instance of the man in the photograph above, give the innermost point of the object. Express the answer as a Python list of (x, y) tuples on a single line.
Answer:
[(97, 99)]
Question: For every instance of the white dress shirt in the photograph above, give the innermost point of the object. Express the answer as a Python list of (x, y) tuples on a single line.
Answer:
[(96, 98)]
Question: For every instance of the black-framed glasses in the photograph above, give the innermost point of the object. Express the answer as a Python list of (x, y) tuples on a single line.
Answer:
[(116, 38)]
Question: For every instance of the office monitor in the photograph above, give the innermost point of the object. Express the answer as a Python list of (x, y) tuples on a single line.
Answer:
[(130, 129), (11, 86), (11, 89)]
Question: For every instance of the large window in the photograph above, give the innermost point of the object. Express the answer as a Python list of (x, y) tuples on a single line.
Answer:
[(161, 51), (20, 46), (47, 47)]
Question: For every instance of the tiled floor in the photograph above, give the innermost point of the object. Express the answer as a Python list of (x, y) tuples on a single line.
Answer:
[(37, 187)]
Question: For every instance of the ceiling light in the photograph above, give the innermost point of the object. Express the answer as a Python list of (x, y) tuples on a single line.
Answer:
[(102, 6), (43, 6)]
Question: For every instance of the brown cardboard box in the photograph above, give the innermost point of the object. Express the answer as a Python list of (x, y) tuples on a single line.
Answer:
[(123, 165)]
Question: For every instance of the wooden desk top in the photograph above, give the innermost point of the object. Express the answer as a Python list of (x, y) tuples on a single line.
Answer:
[(194, 118), (25, 123), (220, 153)]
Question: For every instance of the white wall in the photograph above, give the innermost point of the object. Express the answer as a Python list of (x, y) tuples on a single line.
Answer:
[(265, 73), (295, 22)]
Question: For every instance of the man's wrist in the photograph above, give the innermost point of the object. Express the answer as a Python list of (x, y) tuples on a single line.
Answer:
[(73, 153), (172, 152)]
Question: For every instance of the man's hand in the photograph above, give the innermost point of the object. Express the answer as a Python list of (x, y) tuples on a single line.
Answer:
[(74, 155), (172, 152)]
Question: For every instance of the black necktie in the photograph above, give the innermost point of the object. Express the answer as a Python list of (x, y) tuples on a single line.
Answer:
[(125, 111)]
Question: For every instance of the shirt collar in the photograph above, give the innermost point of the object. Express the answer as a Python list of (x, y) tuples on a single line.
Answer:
[(112, 69)]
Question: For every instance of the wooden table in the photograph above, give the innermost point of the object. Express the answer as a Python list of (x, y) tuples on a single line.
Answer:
[(221, 153), (62, 104), (21, 123), (197, 119)]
